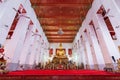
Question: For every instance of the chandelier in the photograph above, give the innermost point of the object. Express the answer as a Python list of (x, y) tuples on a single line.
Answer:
[(60, 31)]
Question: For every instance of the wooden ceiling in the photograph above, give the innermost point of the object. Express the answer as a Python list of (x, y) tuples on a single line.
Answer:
[(65, 14)]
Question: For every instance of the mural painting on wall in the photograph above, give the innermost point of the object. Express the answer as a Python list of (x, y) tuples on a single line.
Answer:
[(70, 52), (50, 52)]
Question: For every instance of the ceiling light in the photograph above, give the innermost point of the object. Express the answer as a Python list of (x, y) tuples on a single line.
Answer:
[(60, 31)]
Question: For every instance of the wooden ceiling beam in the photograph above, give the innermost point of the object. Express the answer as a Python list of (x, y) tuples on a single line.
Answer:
[(59, 4), (38, 2), (60, 41), (56, 21), (63, 27), (67, 32), (69, 41), (60, 35), (58, 29), (60, 16), (60, 38), (70, 10), (61, 1), (57, 16), (59, 24)]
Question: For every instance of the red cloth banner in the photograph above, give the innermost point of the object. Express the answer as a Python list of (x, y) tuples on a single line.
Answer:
[(70, 52), (50, 52)]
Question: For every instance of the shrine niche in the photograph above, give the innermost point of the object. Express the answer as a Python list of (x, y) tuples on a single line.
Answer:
[(60, 60)]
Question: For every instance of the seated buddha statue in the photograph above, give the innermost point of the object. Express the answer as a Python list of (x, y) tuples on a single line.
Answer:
[(60, 52)]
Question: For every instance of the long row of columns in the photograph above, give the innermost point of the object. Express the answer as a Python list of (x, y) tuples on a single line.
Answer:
[(97, 46), (24, 47)]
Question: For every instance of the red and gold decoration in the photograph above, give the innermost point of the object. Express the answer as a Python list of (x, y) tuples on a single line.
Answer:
[(1, 51), (118, 65), (60, 60), (50, 52), (2, 61)]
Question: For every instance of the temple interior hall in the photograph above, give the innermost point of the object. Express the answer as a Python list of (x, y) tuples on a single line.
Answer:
[(59, 34)]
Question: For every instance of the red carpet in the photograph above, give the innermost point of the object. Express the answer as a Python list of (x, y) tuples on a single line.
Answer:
[(60, 72), (60, 75)]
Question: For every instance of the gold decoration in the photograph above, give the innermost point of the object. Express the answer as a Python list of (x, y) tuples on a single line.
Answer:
[(60, 46), (118, 64), (60, 60)]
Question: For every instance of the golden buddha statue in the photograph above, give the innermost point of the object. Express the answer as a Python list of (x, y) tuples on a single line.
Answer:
[(60, 52)]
